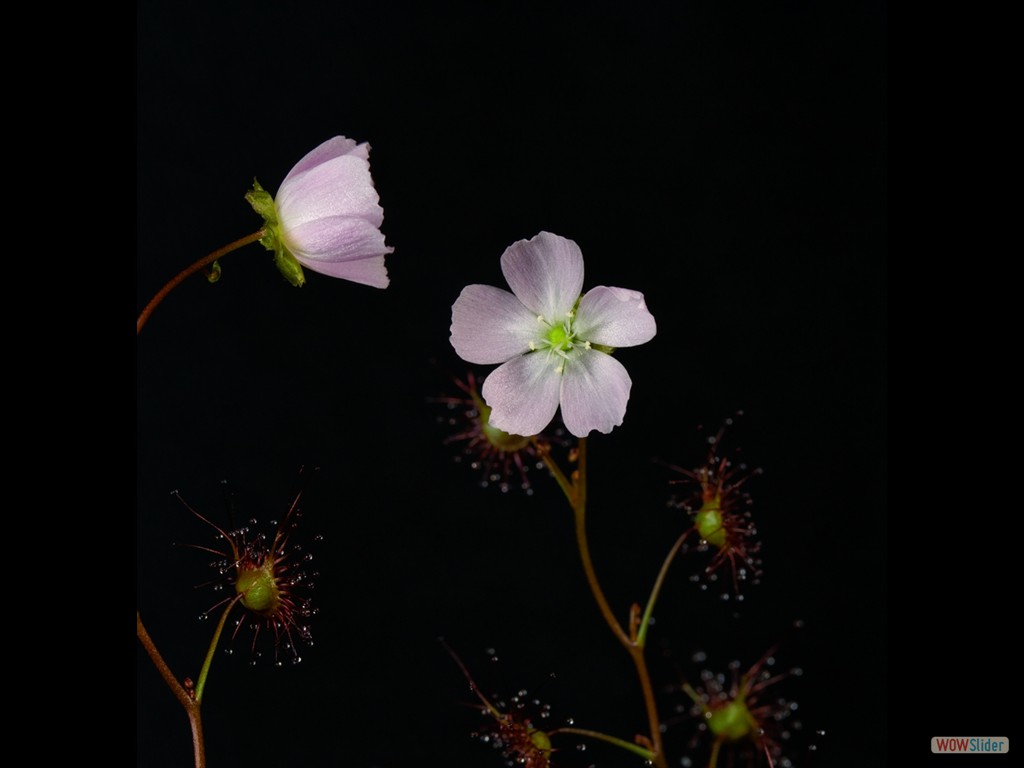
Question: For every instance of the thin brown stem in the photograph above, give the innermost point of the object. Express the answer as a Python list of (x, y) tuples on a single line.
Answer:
[(576, 493), (653, 721), (165, 671), (189, 698), (189, 271), (578, 500), (591, 574), (544, 452), (198, 747), (183, 696)]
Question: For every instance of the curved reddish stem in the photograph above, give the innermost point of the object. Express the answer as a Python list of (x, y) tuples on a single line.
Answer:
[(576, 492), (188, 272), (186, 699)]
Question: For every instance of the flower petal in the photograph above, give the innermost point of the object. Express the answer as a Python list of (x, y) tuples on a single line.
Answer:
[(341, 246), (595, 390), (490, 325), (368, 270), (329, 150), (523, 394), (616, 317), (341, 186), (335, 238), (546, 273)]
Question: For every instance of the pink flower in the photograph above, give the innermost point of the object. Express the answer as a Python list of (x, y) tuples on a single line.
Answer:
[(327, 216), (554, 345)]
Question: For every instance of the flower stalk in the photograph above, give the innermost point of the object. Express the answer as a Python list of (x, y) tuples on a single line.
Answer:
[(184, 697), (327, 216), (190, 697), (576, 492), (191, 270)]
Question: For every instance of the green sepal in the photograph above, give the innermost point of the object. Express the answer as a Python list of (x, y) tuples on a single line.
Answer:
[(213, 273), (263, 203), (289, 266)]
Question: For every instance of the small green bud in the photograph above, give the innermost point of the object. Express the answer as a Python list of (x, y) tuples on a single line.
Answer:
[(501, 440), (709, 523), (540, 740), (259, 590), (733, 721), (213, 273)]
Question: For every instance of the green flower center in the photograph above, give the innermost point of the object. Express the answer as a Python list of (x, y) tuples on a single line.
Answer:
[(559, 339), (560, 336)]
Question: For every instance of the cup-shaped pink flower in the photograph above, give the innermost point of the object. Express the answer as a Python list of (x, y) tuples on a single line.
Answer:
[(327, 216), (554, 345)]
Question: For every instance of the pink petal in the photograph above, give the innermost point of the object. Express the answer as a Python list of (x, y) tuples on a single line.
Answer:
[(341, 186), (369, 270), (490, 325), (546, 273), (335, 238), (615, 317), (595, 390), (523, 394), (329, 150)]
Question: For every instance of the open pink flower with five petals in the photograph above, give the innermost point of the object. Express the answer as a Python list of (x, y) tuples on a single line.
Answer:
[(554, 344)]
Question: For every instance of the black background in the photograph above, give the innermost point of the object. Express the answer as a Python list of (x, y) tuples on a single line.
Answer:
[(729, 163)]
